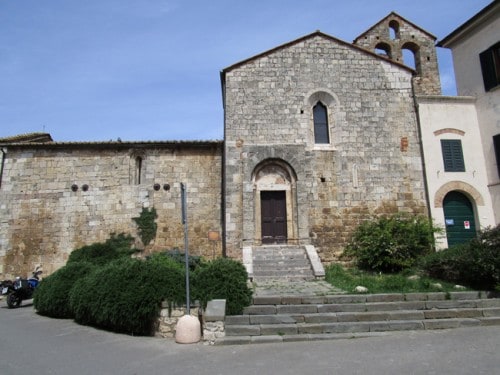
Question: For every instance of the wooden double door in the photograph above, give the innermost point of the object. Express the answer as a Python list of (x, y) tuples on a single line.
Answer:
[(274, 223)]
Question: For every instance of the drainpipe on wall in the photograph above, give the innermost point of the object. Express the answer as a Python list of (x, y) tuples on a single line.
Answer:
[(4, 153)]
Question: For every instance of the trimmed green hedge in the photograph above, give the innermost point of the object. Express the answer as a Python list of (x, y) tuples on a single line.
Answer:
[(125, 295), (116, 247), (102, 286), (223, 278), (51, 297)]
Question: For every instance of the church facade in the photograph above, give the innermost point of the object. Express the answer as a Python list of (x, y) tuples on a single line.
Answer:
[(319, 136)]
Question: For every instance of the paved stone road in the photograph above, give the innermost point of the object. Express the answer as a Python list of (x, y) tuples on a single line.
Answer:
[(31, 344)]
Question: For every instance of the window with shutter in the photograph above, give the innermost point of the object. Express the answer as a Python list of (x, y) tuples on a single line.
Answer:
[(490, 67), (496, 145), (453, 157), (321, 131)]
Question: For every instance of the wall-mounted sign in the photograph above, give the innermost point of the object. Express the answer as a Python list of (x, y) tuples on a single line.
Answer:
[(467, 224), (450, 222)]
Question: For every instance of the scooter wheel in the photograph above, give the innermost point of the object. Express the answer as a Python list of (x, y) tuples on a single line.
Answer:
[(13, 300)]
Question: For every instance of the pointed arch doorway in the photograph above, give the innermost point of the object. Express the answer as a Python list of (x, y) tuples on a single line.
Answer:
[(274, 203)]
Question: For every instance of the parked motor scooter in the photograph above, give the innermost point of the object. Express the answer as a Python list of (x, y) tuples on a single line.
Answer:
[(21, 289), (5, 285)]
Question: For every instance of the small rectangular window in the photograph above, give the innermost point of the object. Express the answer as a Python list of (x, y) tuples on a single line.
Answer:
[(496, 145), (453, 157), (490, 67)]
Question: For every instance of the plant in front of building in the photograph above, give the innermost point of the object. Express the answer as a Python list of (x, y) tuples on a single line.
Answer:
[(475, 263), (116, 247), (51, 297), (102, 286), (222, 278), (126, 295), (146, 225), (391, 243), (194, 261)]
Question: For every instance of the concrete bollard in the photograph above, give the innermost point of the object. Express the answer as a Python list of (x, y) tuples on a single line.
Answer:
[(188, 330)]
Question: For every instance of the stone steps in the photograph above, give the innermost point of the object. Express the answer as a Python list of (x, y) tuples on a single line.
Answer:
[(280, 262), (264, 264), (299, 318)]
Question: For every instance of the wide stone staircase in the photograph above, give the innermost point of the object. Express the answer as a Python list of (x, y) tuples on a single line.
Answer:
[(281, 262), (285, 318)]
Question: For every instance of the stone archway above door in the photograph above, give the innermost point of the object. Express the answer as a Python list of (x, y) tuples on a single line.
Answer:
[(274, 175), (457, 186)]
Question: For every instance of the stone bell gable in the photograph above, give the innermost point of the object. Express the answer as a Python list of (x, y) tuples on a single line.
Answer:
[(392, 35), (325, 175)]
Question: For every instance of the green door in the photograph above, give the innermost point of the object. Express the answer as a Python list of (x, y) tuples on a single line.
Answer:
[(459, 218)]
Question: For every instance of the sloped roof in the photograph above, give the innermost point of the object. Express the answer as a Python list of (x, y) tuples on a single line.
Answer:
[(28, 138), (21, 141), (477, 19), (317, 33), (394, 14)]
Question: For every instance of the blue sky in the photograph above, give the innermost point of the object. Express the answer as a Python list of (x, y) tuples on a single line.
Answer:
[(98, 70)]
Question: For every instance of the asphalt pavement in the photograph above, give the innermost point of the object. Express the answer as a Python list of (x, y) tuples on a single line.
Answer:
[(32, 344)]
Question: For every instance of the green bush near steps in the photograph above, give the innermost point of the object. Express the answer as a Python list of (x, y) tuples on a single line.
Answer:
[(475, 263), (391, 243), (102, 286), (223, 278)]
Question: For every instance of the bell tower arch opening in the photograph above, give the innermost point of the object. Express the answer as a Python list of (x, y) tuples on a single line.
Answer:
[(402, 41)]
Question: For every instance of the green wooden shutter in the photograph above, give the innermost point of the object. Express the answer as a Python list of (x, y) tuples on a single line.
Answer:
[(453, 157)]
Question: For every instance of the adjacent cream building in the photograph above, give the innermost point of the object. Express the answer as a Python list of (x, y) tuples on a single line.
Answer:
[(475, 46)]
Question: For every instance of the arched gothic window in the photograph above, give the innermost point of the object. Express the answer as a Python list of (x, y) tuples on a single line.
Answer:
[(321, 131)]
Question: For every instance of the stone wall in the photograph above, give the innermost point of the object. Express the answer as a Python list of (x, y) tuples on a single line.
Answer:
[(371, 166), (166, 323), (58, 197)]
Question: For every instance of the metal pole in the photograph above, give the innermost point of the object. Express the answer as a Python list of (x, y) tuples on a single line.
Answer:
[(186, 254)]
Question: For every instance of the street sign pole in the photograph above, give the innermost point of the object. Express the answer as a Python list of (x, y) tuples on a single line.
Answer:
[(186, 253)]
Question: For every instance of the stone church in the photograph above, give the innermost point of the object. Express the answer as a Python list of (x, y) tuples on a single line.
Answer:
[(319, 136)]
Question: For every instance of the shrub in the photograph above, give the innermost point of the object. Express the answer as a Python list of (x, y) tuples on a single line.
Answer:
[(146, 225), (126, 295), (117, 246), (391, 244), (175, 254), (475, 263), (445, 264), (51, 297), (223, 278)]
